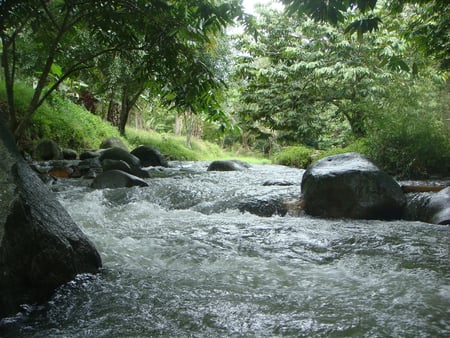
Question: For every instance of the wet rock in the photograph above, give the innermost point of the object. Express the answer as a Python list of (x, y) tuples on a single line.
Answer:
[(120, 154), (150, 157), (109, 164), (69, 154), (117, 179), (112, 142), (86, 155), (282, 183), (48, 150), (439, 207), (264, 206), (229, 165), (416, 208), (350, 186), (41, 247)]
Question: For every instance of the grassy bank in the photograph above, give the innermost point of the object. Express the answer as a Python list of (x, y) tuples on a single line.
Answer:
[(73, 127)]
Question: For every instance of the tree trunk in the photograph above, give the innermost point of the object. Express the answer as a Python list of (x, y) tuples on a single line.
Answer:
[(11, 117), (178, 125), (127, 104)]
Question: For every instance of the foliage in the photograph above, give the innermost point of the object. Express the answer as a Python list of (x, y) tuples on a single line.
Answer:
[(429, 29), (360, 146), (70, 125), (411, 145), (61, 120), (174, 146), (294, 156), (153, 42), (307, 82)]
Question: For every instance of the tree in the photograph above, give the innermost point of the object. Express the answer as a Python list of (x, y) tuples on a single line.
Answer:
[(429, 30), (69, 36), (301, 78)]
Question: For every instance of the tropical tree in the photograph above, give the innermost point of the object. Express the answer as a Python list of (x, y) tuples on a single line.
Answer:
[(69, 36), (303, 78), (429, 28)]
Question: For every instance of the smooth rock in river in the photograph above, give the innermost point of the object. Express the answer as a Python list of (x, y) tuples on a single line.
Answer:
[(149, 157), (264, 206), (48, 150), (117, 179), (41, 247), (120, 154), (350, 186), (228, 165), (439, 207)]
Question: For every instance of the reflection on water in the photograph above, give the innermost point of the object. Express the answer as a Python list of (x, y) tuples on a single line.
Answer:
[(180, 260)]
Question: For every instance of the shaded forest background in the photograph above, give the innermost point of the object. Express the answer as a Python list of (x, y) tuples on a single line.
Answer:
[(320, 77)]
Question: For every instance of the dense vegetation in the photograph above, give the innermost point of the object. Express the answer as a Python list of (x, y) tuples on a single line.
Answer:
[(322, 77)]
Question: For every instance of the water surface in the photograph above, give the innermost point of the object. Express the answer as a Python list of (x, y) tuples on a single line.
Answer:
[(181, 260)]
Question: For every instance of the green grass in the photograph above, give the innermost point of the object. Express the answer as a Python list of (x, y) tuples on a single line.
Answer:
[(174, 147)]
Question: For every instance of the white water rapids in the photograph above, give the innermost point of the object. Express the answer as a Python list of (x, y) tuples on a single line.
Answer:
[(180, 260)]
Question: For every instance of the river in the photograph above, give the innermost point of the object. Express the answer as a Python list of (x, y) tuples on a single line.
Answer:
[(180, 260)]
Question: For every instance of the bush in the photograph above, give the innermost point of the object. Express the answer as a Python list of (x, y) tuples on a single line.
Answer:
[(294, 156), (410, 147), (359, 146)]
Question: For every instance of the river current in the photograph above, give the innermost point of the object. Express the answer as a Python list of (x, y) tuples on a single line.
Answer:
[(180, 260)]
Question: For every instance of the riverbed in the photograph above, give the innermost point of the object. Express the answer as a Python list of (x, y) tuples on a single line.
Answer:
[(181, 260)]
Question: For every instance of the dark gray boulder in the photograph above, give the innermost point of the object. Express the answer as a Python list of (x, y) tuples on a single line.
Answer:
[(112, 142), (350, 186), (89, 154), (149, 157), (41, 247), (69, 154), (48, 150), (117, 179), (120, 154), (109, 164), (228, 165), (266, 206)]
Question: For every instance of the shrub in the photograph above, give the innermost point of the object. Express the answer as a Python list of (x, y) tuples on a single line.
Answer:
[(294, 156), (411, 146), (359, 146)]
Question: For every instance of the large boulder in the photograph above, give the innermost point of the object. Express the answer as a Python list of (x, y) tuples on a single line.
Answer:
[(117, 179), (41, 247), (149, 157), (350, 186), (228, 165), (48, 150)]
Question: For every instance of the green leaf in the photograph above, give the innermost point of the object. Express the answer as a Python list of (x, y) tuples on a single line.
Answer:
[(56, 70)]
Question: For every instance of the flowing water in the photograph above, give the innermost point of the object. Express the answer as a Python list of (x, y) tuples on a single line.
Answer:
[(180, 260)]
